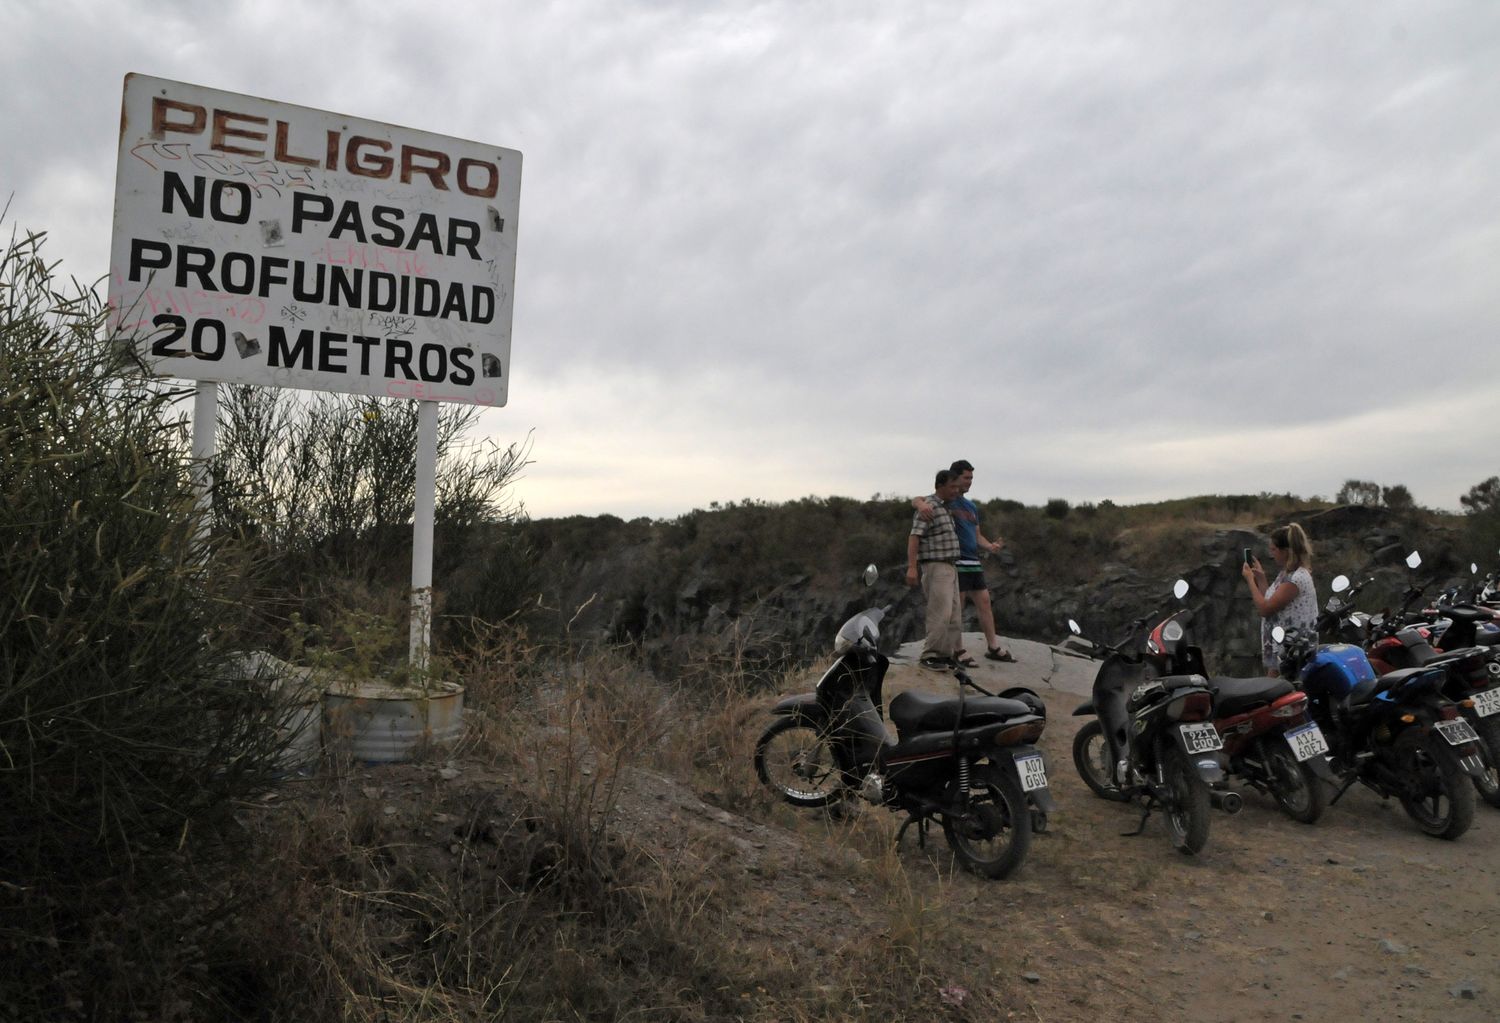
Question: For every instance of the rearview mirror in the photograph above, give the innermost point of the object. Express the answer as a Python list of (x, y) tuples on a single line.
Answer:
[(1340, 583), (1473, 568), (1073, 627), (871, 574), (1278, 634), (1414, 560), (1180, 589)]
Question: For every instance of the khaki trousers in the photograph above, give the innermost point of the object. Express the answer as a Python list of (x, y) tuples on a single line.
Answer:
[(944, 626)]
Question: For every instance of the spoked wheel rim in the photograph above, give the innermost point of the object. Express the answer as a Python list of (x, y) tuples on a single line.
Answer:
[(992, 835), (796, 761), (1290, 786)]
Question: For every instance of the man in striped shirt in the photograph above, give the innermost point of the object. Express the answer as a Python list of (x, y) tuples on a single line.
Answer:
[(931, 553)]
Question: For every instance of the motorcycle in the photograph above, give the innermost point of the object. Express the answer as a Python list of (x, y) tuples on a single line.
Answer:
[(1394, 733), (1152, 741), (1402, 641), (967, 762), (1270, 742)]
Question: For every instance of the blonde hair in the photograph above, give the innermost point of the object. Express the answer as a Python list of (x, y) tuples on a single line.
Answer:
[(1293, 539)]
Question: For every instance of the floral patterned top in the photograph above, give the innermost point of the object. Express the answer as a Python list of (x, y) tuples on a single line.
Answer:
[(1301, 613)]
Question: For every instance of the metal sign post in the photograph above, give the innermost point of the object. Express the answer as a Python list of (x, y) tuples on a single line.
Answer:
[(421, 547)]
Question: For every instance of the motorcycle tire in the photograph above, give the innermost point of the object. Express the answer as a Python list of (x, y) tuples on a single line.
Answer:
[(1187, 804), (1488, 785), (1436, 795), (992, 837), (1091, 757), (1296, 789), (796, 762)]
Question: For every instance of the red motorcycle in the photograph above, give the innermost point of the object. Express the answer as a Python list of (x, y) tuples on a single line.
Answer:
[(1269, 740)]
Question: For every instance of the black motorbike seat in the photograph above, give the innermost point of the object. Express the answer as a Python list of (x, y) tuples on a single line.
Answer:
[(1462, 613), (925, 712), (1237, 695), (1367, 690)]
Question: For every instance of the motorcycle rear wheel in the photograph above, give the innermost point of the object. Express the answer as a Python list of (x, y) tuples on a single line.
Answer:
[(1293, 784), (992, 838), (1091, 757), (1187, 801), (1488, 786), (796, 762), (1442, 801)]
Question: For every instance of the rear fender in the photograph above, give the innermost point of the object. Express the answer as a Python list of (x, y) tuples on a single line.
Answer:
[(1028, 697), (1452, 760), (1212, 766), (1323, 768), (1086, 710)]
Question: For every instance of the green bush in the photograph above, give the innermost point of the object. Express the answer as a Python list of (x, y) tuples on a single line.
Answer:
[(125, 734)]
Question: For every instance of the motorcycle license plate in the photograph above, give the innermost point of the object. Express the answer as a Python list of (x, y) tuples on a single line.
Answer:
[(1456, 732), (1307, 741), (1033, 772), (1202, 737), (1487, 702)]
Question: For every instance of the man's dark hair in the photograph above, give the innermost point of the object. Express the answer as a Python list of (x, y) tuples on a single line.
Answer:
[(943, 476), (960, 467)]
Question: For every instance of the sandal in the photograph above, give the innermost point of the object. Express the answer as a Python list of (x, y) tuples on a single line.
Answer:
[(996, 653), (966, 662)]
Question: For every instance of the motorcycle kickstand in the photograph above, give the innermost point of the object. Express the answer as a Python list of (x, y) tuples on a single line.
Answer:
[(921, 823), (1145, 816), (1353, 777)]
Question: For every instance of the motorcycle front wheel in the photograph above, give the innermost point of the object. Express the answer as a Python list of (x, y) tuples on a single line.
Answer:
[(1488, 784), (991, 837), (796, 762), (1186, 803), (1440, 801), (1293, 784), (1091, 757)]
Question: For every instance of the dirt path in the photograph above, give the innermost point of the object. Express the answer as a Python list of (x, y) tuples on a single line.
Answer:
[(1359, 916)]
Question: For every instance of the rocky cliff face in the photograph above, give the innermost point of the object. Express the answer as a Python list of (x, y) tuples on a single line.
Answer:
[(681, 603)]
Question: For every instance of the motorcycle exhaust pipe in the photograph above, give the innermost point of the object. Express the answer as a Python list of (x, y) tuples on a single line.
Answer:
[(1229, 802)]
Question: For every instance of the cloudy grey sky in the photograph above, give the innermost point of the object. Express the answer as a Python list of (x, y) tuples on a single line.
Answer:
[(1103, 250)]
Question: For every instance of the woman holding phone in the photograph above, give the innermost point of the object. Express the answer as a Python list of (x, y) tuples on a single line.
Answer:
[(1290, 601)]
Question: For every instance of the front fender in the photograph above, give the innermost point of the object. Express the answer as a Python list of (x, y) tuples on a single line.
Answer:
[(803, 707)]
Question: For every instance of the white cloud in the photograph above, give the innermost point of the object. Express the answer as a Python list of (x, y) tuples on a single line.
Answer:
[(772, 249)]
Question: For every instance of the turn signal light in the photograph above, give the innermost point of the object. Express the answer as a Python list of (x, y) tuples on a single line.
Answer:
[(1408, 719), (1018, 734)]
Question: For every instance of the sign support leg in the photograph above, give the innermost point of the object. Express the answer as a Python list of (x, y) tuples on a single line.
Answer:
[(421, 548), (205, 427)]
